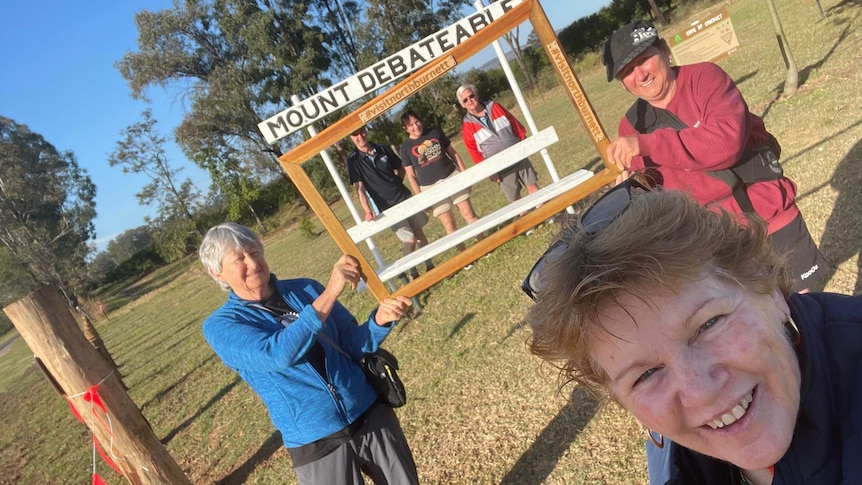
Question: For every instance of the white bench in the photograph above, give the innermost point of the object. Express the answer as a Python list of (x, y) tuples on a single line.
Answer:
[(487, 222), (457, 183)]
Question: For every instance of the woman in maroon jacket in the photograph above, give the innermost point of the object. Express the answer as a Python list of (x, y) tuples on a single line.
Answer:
[(691, 129)]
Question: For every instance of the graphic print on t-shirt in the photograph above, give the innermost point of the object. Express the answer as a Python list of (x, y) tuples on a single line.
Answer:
[(428, 151)]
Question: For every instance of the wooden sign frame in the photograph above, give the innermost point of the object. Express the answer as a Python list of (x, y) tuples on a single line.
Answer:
[(530, 10)]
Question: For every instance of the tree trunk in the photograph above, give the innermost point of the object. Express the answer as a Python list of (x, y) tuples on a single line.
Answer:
[(656, 12), (792, 81), (45, 322), (511, 38)]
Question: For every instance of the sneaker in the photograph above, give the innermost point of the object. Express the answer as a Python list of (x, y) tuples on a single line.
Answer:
[(414, 273), (429, 265)]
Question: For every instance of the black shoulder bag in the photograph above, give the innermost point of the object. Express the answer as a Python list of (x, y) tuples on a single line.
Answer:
[(755, 165), (380, 367)]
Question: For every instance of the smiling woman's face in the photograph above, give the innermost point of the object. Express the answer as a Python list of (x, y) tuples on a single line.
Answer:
[(650, 77), (709, 366)]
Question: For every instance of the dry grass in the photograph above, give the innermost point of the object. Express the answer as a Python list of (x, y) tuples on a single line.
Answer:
[(480, 410)]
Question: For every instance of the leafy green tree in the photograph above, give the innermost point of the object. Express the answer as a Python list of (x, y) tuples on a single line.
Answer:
[(47, 208), (238, 61), (122, 248), (142, 151), (334, 18), (15, 282), (386, 27), (175, 237)]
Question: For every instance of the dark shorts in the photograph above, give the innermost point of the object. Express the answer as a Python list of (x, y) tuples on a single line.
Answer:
[(805, 265), (511, 179)]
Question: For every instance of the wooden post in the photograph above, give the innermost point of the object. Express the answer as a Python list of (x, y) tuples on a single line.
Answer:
[(45, 322), (92, 335)]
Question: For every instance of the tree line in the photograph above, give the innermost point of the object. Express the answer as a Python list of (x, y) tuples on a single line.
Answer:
[(234, 63)]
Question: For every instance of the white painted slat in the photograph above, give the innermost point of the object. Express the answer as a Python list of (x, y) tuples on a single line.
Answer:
[(491, 220)]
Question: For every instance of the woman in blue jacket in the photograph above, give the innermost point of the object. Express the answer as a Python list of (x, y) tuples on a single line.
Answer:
[(683, 317), (278, 335)]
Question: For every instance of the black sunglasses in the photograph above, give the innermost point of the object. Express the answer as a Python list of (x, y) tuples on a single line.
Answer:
[(469, 97), (605, 210)]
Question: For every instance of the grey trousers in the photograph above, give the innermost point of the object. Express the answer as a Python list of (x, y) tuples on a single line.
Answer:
[(379, 449)]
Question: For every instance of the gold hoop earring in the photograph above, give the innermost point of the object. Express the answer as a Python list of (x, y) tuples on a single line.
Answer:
[(793, 324), (658, 443), (793, 329)]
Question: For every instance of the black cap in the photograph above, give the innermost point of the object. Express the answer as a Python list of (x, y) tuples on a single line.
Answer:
[(628, 42)]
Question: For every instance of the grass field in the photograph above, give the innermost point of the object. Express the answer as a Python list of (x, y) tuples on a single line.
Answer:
[(481, 410)]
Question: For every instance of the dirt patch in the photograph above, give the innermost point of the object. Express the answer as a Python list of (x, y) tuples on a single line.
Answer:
[(12, 461)]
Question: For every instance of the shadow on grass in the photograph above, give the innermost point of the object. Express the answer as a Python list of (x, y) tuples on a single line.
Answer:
[(458, 326), (185, 424), (806, 71), (595, 164), (164, 392), (157, 347), (266, 450), (537, 463), (515, 328), (843, 5), (840, 241), (741, 79)]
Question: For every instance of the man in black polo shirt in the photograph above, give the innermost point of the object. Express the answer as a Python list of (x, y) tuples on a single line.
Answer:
[(376, 171)]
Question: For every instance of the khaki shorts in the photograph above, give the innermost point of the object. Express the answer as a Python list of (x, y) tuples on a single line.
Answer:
[(445, 205), (405, 230)]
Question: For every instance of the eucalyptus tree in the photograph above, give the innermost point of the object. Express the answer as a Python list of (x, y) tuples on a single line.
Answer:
[(142, 151), (120, 249), (236, 61), (385, 27), (47, 207)]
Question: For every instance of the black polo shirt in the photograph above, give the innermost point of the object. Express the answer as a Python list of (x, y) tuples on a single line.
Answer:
[(378, 173)]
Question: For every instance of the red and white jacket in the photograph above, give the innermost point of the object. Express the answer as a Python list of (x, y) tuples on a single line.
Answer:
[(483, 142)]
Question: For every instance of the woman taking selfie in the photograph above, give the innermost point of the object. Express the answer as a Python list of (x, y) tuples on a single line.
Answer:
[(683, 317)]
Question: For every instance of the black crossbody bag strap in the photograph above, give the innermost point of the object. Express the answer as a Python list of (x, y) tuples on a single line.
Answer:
[(320, 335), (646, 118)]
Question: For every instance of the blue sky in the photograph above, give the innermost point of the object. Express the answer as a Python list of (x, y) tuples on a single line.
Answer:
[(58, 78)]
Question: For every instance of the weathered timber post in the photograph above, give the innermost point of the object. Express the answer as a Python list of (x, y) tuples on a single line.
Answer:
[(95, 340), (45, 322)]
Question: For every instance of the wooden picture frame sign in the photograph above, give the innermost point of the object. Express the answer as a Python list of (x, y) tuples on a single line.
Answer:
[(553, 199)]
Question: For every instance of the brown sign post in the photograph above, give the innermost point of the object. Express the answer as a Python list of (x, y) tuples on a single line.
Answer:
[(93, 388)]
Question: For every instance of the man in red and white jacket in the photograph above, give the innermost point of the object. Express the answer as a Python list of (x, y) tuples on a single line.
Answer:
[(488, 129)]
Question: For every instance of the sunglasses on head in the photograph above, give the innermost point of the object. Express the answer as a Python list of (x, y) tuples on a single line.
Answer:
[(605, 210), (468, 97)]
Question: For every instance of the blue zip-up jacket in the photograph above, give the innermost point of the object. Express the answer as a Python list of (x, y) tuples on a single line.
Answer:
[(271, 358)]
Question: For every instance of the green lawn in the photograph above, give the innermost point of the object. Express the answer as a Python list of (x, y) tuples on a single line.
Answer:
[(481, 409)]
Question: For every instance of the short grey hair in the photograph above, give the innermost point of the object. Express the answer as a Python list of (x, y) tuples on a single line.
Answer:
[(465, 87), (223, 237)]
